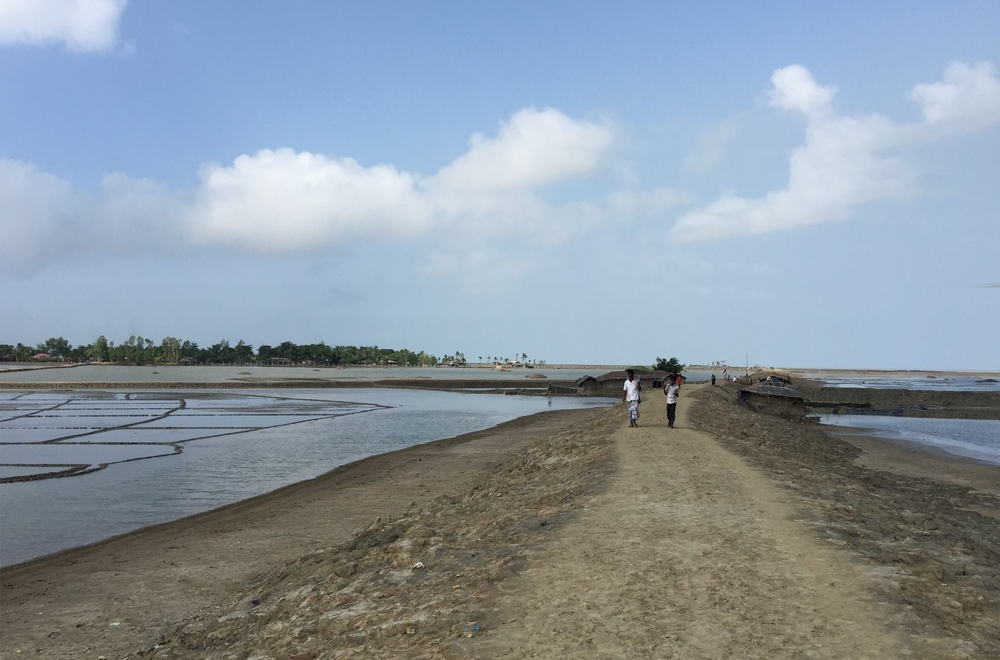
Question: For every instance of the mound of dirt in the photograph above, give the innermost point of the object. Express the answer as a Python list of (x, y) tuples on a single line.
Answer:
[(942, 540), (410, 585)]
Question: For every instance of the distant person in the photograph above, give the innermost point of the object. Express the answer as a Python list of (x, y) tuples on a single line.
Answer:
[(672, 390), (630, 395), (713, 380)]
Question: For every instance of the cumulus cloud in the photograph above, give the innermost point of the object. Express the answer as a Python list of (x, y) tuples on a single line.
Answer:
[(848, 161), (794, 88), (286, 201), (967, 98), (283, 201), (82, 25), (533, 148)]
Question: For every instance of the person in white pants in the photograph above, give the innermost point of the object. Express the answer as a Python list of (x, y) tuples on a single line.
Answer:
[(630, 395)]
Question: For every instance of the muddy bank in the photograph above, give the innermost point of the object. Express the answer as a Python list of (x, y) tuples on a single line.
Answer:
[(939, 540), (125, 594), (413, 585), (345, 566), (912, 403)]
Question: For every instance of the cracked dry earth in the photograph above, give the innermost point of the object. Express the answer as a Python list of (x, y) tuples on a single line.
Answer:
[(601, 541)]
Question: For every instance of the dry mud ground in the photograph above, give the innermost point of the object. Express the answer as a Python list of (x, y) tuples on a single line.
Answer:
[(156, 579), (734, 535)]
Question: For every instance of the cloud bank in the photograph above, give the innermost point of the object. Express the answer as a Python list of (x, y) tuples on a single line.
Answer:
[(287, 201), (848, 161), (492, 203), (82, 25), (282, 201)]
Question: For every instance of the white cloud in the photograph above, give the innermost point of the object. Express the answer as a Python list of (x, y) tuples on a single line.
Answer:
[(82, 25), (967, 98), (793, 88), (534, 148), (847, 161), (281, 201), (287, 201)]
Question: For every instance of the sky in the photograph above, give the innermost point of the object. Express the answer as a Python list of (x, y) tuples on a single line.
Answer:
[(789, 184)]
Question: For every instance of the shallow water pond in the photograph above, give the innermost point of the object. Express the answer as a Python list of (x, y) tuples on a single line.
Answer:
[(342, 425)]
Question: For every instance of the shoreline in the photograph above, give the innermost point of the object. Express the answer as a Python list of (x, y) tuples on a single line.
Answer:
[(303, 383), (476, 509), (926, 523), (914, 459), (289, 491), (151, 578)]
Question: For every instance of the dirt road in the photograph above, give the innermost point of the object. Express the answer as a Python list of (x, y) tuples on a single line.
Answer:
[(564, 535), (689, 553)]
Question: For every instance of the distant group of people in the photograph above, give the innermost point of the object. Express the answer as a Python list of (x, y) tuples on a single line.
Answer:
[(631, 395)]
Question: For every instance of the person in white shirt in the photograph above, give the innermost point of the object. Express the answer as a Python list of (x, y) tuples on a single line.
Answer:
[(672, 390), (630, 395)]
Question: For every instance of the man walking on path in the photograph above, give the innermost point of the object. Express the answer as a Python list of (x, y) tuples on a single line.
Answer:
[(672, 390), (630, 395)]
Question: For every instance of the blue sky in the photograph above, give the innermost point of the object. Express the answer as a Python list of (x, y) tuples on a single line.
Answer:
[(812, 184)]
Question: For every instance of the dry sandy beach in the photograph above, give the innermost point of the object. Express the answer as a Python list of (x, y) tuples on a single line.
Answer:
[(565, 534)]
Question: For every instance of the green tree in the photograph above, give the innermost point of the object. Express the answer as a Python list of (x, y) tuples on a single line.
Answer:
[(99, 350), (190, 351), (170, 350), (671, 366), (265, 353), (57, 347), (22, 352), (243, 352)]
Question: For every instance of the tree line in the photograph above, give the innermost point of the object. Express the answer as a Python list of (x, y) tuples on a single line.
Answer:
[(140, 350)]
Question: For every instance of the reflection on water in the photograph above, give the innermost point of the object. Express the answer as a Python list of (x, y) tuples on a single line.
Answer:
[(971, 438), (326, 428)]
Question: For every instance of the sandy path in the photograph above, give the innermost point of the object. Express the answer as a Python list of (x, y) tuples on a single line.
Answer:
[(690, 553)]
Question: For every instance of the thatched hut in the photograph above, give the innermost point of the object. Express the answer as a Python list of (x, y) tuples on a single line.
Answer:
[(611, 382), (588, 386)]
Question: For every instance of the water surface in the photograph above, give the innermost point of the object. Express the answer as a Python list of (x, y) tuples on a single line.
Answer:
[(978, 439), (246, 442), (983, 383)]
